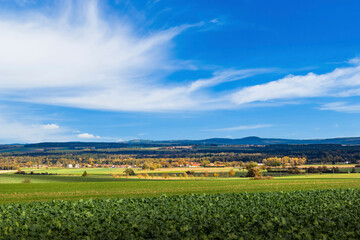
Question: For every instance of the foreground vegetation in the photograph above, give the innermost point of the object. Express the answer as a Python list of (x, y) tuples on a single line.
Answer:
[(325, 214)]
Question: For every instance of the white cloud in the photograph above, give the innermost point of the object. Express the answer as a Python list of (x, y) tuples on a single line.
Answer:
[(51, 126), (78, 59), (341, 107), (355, 61), (16, 131), (87, 136), (243, 127), (342, 82)]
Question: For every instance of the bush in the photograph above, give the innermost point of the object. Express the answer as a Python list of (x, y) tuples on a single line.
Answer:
[(84, 174), (26, 181), (294, 170), (254, 172), (129, 172), (312, 170), (231, 173)]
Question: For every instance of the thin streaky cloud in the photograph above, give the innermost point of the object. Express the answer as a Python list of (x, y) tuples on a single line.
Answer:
[(341, 82), (81, 60), (240, 128), (341, 107)]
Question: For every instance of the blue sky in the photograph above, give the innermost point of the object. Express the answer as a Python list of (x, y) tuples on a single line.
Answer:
[(170, 69)]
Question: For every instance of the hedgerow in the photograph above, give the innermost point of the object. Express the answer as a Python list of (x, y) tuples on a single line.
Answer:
[(320, 214)]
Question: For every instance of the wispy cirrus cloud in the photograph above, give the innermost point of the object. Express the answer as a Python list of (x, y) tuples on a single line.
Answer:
[(341, 82), (341, 107), (240, 128), (79, 59)]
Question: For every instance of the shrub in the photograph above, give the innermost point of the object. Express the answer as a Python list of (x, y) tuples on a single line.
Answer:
[(231, 173), (116, 175), (129, 172), (84, 174), (254, 172), (312, 170), (294, 170), (324, 169)]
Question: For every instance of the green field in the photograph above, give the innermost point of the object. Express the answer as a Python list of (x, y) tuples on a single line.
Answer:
[(49, 187)]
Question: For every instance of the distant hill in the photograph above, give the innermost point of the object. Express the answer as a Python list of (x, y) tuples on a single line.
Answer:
[(204, 142), (251, 141)]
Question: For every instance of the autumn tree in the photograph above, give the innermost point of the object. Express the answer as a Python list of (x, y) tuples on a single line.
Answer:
[(251, 165), (129, 172), (254, 172)]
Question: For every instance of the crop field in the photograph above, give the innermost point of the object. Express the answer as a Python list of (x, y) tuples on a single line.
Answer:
[(65, 187), (320, 214)]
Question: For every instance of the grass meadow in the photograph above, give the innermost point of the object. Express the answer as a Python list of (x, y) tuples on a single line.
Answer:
[(69, 185)]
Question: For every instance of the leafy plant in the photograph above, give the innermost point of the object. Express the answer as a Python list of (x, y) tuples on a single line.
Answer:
[(320, 214)]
